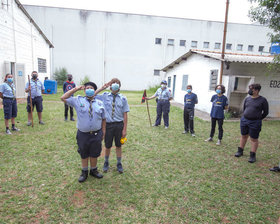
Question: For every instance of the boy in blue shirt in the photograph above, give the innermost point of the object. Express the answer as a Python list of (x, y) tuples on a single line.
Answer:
[(219, 104), (67, 86), (190, 100), (91, 125), (8, 94), (116, 108)]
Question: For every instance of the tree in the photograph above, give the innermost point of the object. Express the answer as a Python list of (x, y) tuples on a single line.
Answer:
[(267, 12), (60, 75)]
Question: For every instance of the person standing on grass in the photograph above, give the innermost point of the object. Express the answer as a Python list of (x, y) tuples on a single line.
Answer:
[(37, 88), (163, 105), (190, 100), (8, 94), (68, 85), (116, 108), (91, 125), (219, 104), (255, 109)]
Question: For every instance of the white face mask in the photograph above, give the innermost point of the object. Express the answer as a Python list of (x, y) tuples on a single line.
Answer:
[(163, 86)]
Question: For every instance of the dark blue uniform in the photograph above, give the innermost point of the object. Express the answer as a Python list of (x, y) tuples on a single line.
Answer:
[(163, 106)]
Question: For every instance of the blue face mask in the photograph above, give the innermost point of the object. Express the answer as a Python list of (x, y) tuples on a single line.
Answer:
[(189, 90), (115, 86), (90, 92), (10, 80), (218, 91)]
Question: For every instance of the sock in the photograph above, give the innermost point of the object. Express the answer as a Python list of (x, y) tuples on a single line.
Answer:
[(85, 168), (7, 128), (93, 168), (119, 159), (13, 126), (106, 158)]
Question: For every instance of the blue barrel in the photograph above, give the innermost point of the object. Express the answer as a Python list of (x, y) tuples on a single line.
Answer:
[(50, 86), (275, 48)]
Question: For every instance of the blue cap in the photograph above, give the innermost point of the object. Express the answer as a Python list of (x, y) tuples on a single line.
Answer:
[(163, 82)]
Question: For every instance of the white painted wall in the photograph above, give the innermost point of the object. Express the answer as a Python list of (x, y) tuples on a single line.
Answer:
[(198, 68), (103, 45), (20, 43)]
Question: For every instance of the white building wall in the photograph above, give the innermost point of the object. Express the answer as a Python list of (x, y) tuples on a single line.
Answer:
[(20, 44), (103, 45)]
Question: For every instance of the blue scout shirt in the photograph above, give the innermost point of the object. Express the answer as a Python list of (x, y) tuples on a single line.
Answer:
[(36, 87), (163, 94), (86, 122), (218, 106), (7, 90), (190, 100), (121, 106)]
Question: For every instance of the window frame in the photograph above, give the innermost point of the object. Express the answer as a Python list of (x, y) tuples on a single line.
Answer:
[(194, 42), (214, 73), (208, 44), (158, 41), (182, 41), (42, 65), (170, 42), (217, 44), (156, 72)]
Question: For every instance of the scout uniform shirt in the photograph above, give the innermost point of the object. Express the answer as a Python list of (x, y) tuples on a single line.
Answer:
[(7, 90), (36, 88), (89, 114), (163, 94), (115, 106), (218, 106)]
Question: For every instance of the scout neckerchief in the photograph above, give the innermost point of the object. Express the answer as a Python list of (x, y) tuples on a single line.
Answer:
[(12, 89), (35, 81), (90, 110), (113, 104)]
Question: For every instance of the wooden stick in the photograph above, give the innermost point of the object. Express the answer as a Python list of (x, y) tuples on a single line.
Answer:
[(31, 106), (149, 113)]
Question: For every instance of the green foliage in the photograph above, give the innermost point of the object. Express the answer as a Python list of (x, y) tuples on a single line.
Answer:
[(84, 80), (153, 88), (60, 75)]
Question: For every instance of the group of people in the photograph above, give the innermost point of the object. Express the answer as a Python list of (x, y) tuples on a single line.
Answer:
[(104, 116), (255, 109), (8, 94)]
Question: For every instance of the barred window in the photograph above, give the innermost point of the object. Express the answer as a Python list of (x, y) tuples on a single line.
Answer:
[(213, 79), (185, 82), (156, 72), (42, 65)]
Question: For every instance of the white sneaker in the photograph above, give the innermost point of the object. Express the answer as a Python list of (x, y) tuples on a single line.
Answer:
[(193, 135), (218, 142), (166, 127), (209, 140), (8, 132)]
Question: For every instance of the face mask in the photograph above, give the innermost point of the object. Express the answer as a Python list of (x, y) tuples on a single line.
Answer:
[(89, 92), (115, 86), (34, 76), (69, 79), (250, 92), (163, 86), (189, 90), (218, 91), (10, 80)]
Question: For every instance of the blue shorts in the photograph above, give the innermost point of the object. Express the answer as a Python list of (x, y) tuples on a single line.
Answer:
[(251, 127), (10, 108), (36, 101)]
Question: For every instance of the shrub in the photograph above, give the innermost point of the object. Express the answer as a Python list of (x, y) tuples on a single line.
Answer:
[(60, 75)]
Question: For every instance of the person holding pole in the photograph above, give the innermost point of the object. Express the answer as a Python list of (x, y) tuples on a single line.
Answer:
[(8, 94), (190, 100), (35, 90), (91, 125), (163, 105), (116, 108)]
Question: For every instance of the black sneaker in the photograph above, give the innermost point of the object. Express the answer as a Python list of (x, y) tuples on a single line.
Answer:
[(84, 176), (106, 167), (120, 168), (72, 119), (252, 158), (95, 173), (275, 169), (239, 152)]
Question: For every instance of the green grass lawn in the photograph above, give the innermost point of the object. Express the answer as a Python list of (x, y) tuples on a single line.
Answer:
[(168, 177)]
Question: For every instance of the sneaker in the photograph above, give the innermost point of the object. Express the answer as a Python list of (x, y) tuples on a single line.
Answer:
[(95, 173), (120, 168), (209, 140), (66, 119), (106, 167), (193, 135), (185, 132), (239, 152), (166, 127), (275, 169), (219, 142), (15, 129), (41, 122), (72, 119), (252, 158), (154, 125), (28, 123), (8, 132)]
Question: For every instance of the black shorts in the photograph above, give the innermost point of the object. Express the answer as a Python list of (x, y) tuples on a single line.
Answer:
[(9, 107), (113, 131), (36, 101), (251, 127), (89, 143)]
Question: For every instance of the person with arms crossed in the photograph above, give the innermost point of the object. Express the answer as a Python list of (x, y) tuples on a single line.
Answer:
[(68, 85)]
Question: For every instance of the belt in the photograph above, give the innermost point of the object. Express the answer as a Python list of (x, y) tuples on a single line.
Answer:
[(9, 98), (162, 100), (91, 132), (116, 122)]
